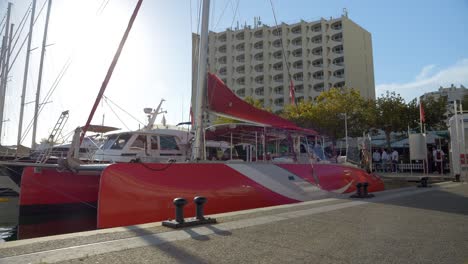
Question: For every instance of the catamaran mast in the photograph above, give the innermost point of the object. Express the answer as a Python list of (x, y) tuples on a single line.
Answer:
[(197, 150), (39, 81), (25, 76), (4, 71)]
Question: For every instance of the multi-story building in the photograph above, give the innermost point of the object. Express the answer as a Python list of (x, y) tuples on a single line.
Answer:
[(452, 94), (256, 61)]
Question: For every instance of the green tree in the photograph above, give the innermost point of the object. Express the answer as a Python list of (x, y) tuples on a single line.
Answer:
[(392, 114), (435, 111), (327, 114)]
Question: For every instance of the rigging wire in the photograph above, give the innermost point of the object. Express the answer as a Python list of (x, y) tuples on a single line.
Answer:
[(116, 115), (123, 110), (282, 46), (222, 13), (23, 20), (102, 7), (235, 13)]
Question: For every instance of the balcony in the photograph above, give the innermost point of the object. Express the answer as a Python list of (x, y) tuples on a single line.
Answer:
[(338, 49), (222, 38), (258, 45), (258, 68), (296, 30), (278, 54), (339, 73), (222, 60), (222, 49), (339, 85), (278, 66), (316, 39), (299, 89), (298, 76), (319, 87), (240, 69), (277, 43), (241, 92), (222, 71), (258, 34), (240, 36), (260, 91), (258, 56), (278, 90), (337, 37), (337, 25), (317, 51), (298, 65), (297, 41), (318, 63), (259, 79), (277, 32), (240, 81), (297, 53), (339, 61), (240, 47), (240, 58), (316, 28), (279, 102), (278, 78), (318, 75)]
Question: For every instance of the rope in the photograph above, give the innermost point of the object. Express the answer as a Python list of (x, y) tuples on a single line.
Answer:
[(116, 115), (107, 98), (235, 12), (153, 169)]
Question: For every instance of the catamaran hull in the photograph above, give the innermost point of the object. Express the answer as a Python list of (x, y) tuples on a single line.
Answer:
[(136, 193)]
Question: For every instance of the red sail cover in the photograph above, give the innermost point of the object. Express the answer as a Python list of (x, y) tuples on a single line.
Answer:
[(222, 100)]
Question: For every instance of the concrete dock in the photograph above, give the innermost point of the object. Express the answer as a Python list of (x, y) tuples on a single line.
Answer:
[(406, 225)]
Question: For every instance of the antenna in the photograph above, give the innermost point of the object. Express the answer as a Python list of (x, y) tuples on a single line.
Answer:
[(345, 12)]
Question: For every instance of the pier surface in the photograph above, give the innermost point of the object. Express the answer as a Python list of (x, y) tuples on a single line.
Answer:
[(406, 225)]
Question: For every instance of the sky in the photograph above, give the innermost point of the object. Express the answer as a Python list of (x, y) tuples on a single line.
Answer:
[(418, 46)]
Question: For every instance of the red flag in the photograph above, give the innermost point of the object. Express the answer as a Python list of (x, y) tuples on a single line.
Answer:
[(421, 112), (292, 94)]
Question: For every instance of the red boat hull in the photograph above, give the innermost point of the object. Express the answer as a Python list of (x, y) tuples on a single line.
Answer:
[(135, 193)]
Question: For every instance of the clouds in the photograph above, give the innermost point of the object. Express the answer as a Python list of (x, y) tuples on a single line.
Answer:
[(429, 79)]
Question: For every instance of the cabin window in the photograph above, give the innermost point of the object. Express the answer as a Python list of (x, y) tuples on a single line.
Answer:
[(154, 142), (120, 141), (168, 143), (139, 143)]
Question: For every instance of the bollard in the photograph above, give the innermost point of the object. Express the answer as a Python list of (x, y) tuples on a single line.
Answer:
[(358, 193), (457, 178), (364, 187), (179, 211), (424, 183), (200, 201)]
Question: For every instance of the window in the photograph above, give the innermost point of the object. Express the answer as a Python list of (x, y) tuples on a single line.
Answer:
[(120, 141), (317, 63), (279, 89), (222, 49), (297, 53), (279, 102), (337, 37), (240, 69), (298, 76), (319, 87), (168, 143), (318, 75), (317, 28), (240, 47), (222, 38), (259, 79), (258, 56), (139, 143), (241, 92), (222, 71), (297, 65), (336, 25), (339, 73), (278, 54), (299, 88), (241, 81), (278, 78), (240, 36), (240, 58)]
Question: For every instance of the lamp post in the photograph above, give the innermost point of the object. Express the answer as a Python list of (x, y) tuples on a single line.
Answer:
[(346, 134)]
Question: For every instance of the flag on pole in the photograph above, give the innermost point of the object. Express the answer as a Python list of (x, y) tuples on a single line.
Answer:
[(292, 94), (421, 112)]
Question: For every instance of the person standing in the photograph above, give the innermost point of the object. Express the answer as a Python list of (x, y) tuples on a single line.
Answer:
[(385, 160), (376, 159), (438, 156), (395, 161)]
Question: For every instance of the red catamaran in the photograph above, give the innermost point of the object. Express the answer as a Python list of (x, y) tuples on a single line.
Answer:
[(138, 192)]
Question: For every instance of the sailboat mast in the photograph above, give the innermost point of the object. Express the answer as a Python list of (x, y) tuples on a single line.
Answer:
[(39, 81), (4, 72), (25, 76), (197, 150)]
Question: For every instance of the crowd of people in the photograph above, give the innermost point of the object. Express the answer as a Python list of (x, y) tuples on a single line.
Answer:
[(386, 160)]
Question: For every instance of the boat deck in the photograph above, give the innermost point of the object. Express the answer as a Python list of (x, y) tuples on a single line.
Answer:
[(406, 225)]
